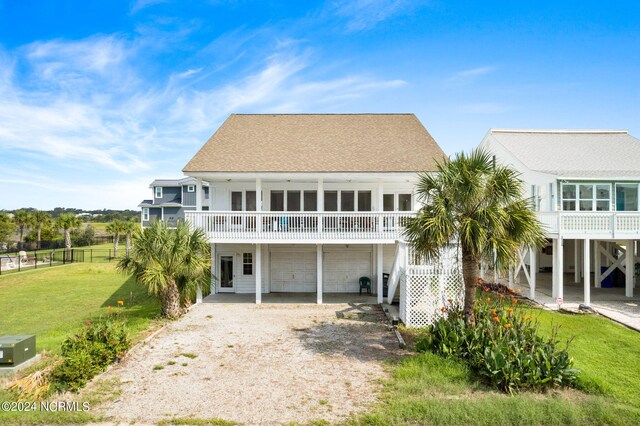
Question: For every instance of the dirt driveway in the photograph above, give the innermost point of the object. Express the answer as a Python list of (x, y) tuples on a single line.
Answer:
[(257, 364)]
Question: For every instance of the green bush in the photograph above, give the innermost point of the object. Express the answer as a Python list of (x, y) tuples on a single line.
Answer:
[(503, 348), (89, 352)]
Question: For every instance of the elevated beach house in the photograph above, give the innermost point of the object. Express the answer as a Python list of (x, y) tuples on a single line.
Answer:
[(307, 202), (170, 199), (585, 186)]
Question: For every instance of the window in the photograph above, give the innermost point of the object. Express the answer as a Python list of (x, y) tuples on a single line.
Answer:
[(277, 201), (251, 201), (387, 202), (586, 197), (585, 193), (310, 201), (603, 198), (145, 214), (364, 201), (627, 197), (293, 201), (236, 201), (404, 202), (568, 197), (158, 192), (347, 203), (331, 201), (247, 263), (191, 188)]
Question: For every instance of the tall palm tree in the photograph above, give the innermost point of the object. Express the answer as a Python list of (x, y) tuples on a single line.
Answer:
[(23, 219), (116, 227), (129, 226), (41, 219), (478, 204), (170, 263), (67, 222)]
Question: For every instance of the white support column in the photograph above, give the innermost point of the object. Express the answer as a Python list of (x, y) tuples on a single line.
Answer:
[(320, 202), (558, 268), (210, 195), (587, 273), (199, 194), (258, 194), (576, 261), (380, 252), (629, 268), (319, 272), (258, 274), (213, 269), (510, 277), (533, 262), (597, 264)]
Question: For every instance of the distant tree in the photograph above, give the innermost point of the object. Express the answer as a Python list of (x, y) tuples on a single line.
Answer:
[(84, 236), (40, 219), (170, 263), (7, 227), (67, 222), (116, 227), (23, 219), (129, 228)]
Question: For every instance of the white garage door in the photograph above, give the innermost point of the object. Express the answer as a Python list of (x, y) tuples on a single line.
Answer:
[(343, 269), (293, 272)]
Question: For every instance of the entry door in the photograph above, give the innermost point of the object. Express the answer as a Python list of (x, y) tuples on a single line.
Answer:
[(226, 273)]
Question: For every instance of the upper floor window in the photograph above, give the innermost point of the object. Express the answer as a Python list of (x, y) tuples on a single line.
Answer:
[(627, 197), (191, 188), (158, 192), (396, 202), (586, 197)]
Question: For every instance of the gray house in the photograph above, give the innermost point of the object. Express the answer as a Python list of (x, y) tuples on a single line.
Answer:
[(170, 199)]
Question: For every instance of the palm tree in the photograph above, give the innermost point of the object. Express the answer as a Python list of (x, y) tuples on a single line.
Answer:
[(478, 204), (170, 263), (116, 228), (40, 219), (129, 226), (67, 222), (22, 219)]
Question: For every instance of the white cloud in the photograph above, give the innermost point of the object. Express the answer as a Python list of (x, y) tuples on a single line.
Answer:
[(362, 15), (471, 74), (138, 5)]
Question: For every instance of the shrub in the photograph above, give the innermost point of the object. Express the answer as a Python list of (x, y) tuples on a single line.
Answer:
[(89, 352), (83, 237), (503, 348)]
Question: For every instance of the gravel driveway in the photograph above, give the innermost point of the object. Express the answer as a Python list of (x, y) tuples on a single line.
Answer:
[(257, 364)]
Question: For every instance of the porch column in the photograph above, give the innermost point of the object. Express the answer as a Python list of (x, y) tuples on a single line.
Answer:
[(558, 268), (210, 195), (576, 261), (213, 269), (587, 273), (533, 266), (380, 266), (258, 194), (198, 194), (258, 274), (629, 268), (320, 202), (597, 264), (319, 271)]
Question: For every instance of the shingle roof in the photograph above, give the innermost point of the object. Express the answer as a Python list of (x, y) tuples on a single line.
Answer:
[(318, 143), (176, 182), (574, 153)]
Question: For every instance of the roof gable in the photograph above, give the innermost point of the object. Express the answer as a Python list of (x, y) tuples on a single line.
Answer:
[(318, 143), (574, 153)]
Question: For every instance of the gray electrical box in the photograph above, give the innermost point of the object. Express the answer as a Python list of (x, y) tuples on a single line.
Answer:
[(15, 350)]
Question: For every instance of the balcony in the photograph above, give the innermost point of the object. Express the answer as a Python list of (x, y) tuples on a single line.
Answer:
[(609, 225), (299, 227)]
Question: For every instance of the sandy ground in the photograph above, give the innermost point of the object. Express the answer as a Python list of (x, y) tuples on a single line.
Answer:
[(256, 364)]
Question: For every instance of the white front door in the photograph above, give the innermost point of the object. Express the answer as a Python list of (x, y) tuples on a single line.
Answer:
[(227, 274), (293, 272), (342, 270)]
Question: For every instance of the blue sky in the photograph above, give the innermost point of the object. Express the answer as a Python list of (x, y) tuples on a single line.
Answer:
[(98, 98)]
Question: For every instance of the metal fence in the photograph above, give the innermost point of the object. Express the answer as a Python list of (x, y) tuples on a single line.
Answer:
[(52, 244), (28, 260)]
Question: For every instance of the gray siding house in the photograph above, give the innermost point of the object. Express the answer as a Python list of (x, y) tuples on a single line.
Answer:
[(170, 199)]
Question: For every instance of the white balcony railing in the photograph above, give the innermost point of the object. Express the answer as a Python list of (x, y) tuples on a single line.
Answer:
[(602, 224), (299, 227)]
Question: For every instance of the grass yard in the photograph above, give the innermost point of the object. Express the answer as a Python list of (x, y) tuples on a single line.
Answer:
[(428, 389), (54, 303)]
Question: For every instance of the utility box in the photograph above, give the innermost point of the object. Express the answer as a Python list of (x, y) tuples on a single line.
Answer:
[(15, 350)]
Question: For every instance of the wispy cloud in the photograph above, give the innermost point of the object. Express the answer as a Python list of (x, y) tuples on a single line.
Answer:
[(138, 5), (471, 74), (362, 15)]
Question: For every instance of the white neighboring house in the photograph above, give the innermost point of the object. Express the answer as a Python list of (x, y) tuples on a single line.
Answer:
[(585, 186), (307, 202)]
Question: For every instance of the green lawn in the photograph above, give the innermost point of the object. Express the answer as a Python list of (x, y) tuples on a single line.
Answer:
[(428, 389), (54, 302)]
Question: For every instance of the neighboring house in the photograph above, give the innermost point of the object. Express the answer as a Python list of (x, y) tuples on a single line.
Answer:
[(170, 199), (585, 186), (307, 202)]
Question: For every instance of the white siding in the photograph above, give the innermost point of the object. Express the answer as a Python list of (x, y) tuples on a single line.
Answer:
[(343, 266), (242, 283)]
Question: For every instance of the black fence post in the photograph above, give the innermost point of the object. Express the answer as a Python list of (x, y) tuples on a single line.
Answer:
[(35, 260), (51, 258)]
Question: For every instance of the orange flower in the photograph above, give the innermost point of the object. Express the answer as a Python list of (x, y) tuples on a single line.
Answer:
[(488, 299), (443, 309), (486, 289), (480, 282), (501, 296), (121, 302), (524, 317), (510, 310), (507, 325), (514, 300), (519, 290), (109, 308), (493, 312), (496, 319), (510, 290), (449, 300)]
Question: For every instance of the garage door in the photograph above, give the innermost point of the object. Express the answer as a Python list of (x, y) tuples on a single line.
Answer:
[(342, 270), (293, 272)]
